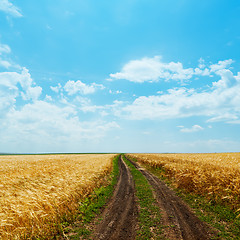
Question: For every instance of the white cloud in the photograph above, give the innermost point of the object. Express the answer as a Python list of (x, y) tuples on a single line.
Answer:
[(182, 103), (36, 125), (152, 70), (194, 128), (226, 117), (10, 79), (48, 98), (43, 124), (202, 72), (227, 79), (4, 48), (32, 93), (115, 92), (85, 105), (9, 8), (5, 64), (7, 99), (72, 87), (221, 65), (11, 84), (90, 108), (201, 63), (26, 82), (57, 88), (220, 99), (234, 121)]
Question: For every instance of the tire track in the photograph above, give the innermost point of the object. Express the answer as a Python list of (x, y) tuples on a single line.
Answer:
[(120, 216), (180, 221)]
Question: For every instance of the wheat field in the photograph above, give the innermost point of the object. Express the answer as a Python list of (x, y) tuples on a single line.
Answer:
[(216, 175), (38, 191)]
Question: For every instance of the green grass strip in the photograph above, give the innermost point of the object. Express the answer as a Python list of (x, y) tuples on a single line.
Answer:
[(218, 216), (150, 226), (91, 206)]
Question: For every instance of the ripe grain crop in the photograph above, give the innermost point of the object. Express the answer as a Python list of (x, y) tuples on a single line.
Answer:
[(216, 175), (38, 192)]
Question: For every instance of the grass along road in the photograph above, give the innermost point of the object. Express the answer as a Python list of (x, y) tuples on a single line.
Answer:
[(150, 225), (179, 220), (143, 207), (196, 171)]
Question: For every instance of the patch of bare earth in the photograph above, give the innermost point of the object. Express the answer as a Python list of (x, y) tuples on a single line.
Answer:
[(120, 216), (179, 220)]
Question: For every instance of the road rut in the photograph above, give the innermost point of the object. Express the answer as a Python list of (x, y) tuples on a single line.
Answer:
[(179, 219), (120, 216)]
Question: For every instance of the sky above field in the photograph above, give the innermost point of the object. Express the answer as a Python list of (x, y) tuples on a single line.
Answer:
[(119, 76)]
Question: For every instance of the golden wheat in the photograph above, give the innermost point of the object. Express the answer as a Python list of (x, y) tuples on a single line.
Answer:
[(37, 191), (216, 175)]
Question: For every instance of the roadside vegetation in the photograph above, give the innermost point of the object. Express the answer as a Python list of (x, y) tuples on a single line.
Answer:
[(150, 226), (209, 183), (41, 194), (90, 208)]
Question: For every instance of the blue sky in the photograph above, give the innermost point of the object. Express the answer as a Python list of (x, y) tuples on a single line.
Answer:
[(119, 76)]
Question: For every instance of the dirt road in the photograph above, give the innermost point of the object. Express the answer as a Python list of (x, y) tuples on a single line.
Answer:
[(120, 217), (181, 221)]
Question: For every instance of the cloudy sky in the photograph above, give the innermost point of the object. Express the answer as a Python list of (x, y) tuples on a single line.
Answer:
[(119, 76)]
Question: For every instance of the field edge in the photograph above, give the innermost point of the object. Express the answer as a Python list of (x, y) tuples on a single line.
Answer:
[(219, 217), (90, 208)]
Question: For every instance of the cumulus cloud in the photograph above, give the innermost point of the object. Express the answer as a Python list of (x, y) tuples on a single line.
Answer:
[(194, 128), (47, 124), (14, 83), (26, 121), (29, 90), (32, 93), (221, 98), (221, 65), (227, 79), (72, 87), (57, 88), (152, 70), (178, 103), (202, 72), (57, 120), (9, 8)]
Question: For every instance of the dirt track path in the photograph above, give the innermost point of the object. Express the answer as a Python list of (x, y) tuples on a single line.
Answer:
[(181, 221), (120, 216)]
